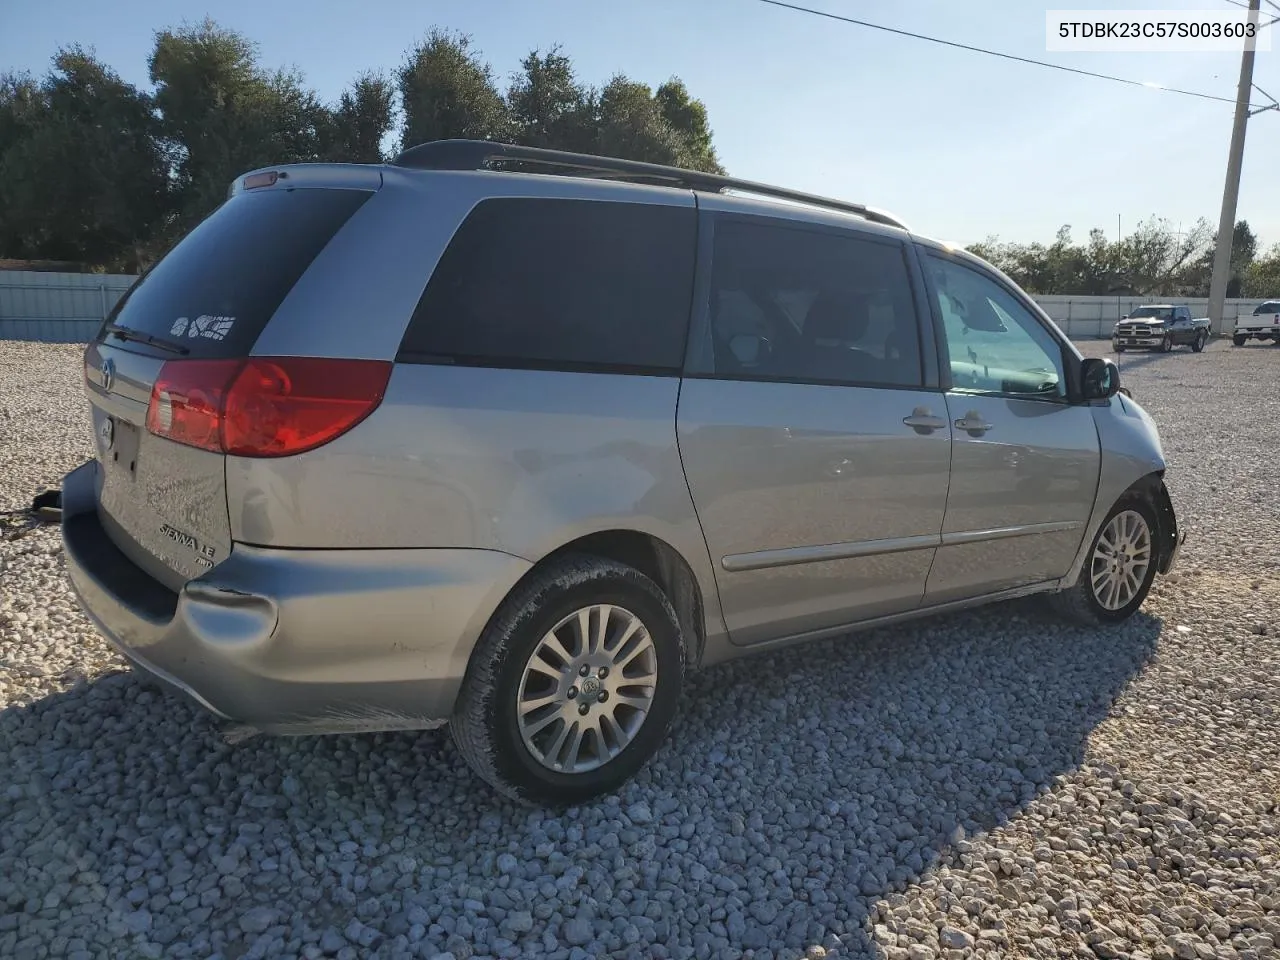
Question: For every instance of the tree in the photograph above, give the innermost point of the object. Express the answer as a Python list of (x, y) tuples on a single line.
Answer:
[(631, 125), (361, 122), (1155, 258), (223, 114), (448, 92), (548, 107), (688, 118), (95, 170), (1262, 279), (81, 174)]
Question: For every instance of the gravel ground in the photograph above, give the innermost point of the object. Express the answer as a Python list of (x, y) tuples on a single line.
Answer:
[(993, 784)]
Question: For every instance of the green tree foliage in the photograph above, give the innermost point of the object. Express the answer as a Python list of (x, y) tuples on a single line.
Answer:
[(362, 120), (549, 107), (1156, 260), (95, 170), (1262, 278), (222, 113), (82, 175), (688, 118), (448, 92)]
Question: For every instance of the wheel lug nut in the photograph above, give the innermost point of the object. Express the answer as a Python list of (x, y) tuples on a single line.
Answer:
[(584, 670), (604, 695), (604, 672), (573, 692), (583, 709)]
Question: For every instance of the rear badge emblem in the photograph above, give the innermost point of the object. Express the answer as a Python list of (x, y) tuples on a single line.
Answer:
[(108, 374), (108, 433)]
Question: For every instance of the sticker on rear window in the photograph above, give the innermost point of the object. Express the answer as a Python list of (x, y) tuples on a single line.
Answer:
[(209, 327), (179, 327)]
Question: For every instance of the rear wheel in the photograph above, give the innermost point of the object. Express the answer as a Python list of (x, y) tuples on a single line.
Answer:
[(1238, 341), (573, 685), (1119, 570), (1201, 339)]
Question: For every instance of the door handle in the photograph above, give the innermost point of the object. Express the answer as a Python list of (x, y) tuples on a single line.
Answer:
[(922, 421), (973, 424)]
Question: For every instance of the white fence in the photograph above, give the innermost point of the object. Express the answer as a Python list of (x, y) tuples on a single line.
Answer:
[(69, 307)]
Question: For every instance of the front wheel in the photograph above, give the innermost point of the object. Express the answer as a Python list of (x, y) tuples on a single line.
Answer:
[(574, 683), (1120, 349), (1119, 570), (1199, 342), (1167, 343), (1238, 341)]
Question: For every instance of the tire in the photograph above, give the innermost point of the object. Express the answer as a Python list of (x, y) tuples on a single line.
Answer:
[(1238, 341), (1121, 349), (1167, 343), (1198, 344), (1080, 602), (486, 723)]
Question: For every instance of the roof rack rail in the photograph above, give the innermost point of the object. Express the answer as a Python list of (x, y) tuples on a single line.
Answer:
[(486, 154)]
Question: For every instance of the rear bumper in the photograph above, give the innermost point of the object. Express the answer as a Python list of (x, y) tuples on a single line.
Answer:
[(295, 641)]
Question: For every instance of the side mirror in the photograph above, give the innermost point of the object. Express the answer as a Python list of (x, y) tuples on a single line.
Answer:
[(1100, 378)]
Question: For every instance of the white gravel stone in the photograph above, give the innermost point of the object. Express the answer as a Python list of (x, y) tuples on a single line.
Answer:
[(993, 783)]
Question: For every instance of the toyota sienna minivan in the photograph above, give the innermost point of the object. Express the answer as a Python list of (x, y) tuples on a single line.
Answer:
[(513, 440)]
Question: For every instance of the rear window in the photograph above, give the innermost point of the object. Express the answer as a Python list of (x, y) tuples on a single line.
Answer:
[(215, 291), (560, 284), (1271, 306)]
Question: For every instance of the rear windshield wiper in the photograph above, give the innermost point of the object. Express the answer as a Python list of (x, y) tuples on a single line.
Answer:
[(126, 333)]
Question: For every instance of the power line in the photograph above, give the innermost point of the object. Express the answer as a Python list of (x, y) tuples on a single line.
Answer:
[(994, 53)]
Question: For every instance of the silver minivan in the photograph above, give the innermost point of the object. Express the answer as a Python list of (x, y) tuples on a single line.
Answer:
[(513, 440)]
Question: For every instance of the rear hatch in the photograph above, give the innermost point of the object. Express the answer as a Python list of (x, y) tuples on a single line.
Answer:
[(182, 333)]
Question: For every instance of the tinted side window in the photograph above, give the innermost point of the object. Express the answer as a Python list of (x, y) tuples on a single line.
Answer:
[(215, 291), (567, 284), (788, 303), (994, 343)]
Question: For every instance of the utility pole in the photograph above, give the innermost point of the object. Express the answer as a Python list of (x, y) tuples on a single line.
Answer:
[(1231, 190)]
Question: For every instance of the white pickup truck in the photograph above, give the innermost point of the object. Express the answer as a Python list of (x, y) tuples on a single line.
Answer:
[(1262, 324)]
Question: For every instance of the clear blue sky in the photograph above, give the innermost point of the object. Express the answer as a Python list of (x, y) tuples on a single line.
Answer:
[(961, 146)]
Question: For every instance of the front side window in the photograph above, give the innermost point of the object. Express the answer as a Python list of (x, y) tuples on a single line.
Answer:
[(995, 345), (561, 284), (800, 305)]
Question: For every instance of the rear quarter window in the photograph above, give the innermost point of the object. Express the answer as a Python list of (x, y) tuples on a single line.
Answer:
[(216, 290), (560, 284)]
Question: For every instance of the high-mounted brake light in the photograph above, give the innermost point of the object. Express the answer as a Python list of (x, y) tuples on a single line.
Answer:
[(264, 406), (261, 179)]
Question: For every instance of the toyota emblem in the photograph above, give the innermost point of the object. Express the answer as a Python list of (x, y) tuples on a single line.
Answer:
[(108, 374)]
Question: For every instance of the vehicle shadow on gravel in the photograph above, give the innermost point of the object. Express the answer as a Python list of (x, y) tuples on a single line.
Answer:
[(798, 788)]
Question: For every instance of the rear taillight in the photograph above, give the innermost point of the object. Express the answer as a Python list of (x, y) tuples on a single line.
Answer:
[(263, 406)]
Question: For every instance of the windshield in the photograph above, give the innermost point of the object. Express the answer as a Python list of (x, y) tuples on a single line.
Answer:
[(1271, 306), (1161, 313)]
